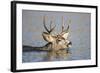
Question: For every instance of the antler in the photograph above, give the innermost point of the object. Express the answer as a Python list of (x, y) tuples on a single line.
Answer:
[(51, 28), (45, 23), (62, 23), (66, 30)]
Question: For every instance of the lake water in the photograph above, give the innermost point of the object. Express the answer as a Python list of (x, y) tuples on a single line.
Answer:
[(41, 56)]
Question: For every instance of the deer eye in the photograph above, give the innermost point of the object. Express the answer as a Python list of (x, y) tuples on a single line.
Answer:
[(59, 40)]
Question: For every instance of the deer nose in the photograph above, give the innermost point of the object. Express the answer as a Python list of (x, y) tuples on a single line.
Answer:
[(69, 44)]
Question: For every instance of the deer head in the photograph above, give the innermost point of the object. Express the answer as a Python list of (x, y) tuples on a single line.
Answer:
[(59, 41)]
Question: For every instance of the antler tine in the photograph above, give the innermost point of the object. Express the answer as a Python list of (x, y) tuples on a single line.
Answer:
[(67, 30), (50, 25), (62, 23), (45, 24), (51, 28)]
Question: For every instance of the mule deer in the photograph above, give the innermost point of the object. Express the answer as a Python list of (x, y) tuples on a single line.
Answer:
[(59, 42)]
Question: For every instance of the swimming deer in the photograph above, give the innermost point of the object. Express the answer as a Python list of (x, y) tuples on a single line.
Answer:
[(59, 43)]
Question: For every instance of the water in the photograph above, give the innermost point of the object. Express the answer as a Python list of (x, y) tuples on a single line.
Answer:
[(41, 56)]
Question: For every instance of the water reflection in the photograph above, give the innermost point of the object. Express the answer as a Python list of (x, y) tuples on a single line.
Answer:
[(42, 56)]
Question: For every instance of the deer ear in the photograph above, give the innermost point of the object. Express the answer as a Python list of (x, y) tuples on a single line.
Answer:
[(65, 35)]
